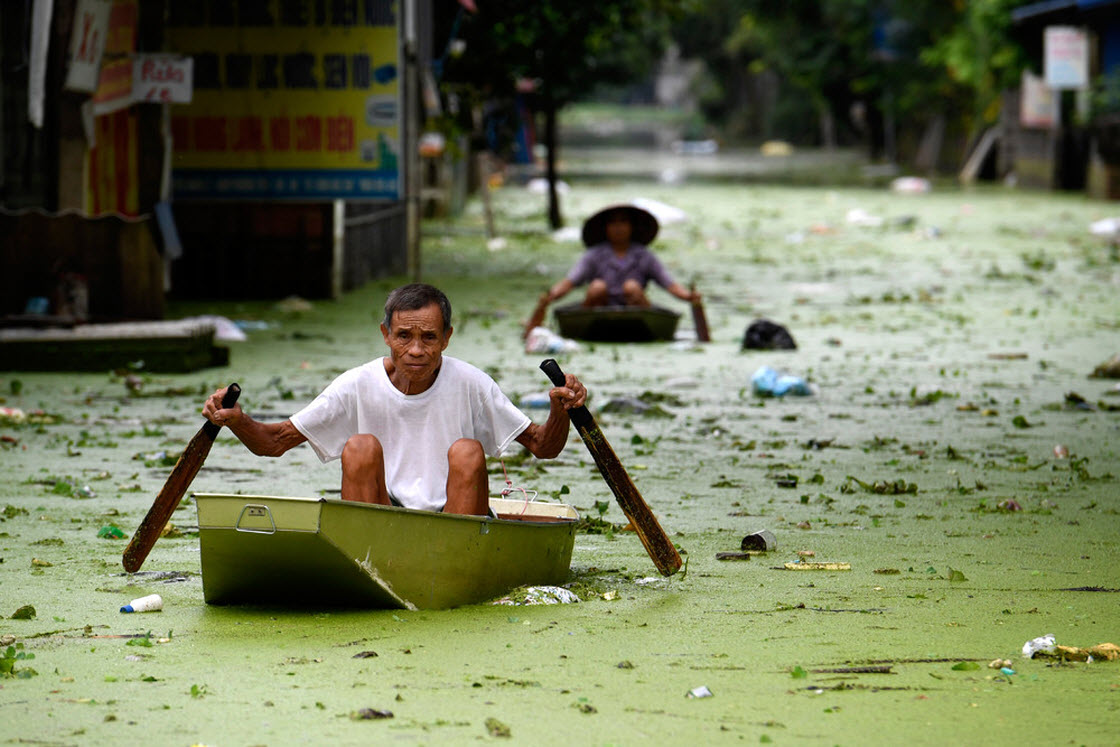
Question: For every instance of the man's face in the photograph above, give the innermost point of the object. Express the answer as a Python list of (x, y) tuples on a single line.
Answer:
[(618, 229), (416, 343)]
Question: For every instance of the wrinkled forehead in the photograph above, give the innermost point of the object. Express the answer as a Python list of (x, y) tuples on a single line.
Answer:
[(426, 318)]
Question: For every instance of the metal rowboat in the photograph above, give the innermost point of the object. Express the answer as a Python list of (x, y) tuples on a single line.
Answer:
[(616, 323), (319, 551)]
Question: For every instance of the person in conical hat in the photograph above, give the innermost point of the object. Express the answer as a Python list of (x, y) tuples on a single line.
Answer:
[(618, 264)]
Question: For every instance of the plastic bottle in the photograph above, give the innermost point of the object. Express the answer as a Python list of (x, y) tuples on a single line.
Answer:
[(766, 382), (150, 603)]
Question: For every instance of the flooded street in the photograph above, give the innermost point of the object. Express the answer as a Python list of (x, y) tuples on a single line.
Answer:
[(955, 452)]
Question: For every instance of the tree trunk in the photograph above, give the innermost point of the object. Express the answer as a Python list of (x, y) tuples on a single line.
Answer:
[(555, 219)]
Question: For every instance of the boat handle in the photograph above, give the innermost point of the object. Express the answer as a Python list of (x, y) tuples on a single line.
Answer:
[(255, 510)]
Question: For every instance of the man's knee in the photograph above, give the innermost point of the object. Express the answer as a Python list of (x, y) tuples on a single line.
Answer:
[(466, 455), (361, 450)]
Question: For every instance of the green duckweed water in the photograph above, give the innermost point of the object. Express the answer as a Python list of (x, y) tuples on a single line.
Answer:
[(943, 346)]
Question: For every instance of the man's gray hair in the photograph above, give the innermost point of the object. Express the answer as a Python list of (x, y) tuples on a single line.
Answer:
[(416, 296)]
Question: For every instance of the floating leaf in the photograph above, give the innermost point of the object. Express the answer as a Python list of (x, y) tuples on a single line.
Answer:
[(956, 576), (496, 728), (26, 612), (965, 666), (798, 673)]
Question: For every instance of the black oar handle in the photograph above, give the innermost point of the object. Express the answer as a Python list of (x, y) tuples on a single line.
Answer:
[(233, 391), (579, 415)]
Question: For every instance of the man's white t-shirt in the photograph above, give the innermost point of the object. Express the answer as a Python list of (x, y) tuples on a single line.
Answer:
[(415, 430)]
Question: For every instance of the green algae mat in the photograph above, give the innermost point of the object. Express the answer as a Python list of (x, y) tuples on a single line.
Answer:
[(946, 494)]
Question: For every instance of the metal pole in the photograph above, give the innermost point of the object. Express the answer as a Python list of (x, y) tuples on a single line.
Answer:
[(410, 139)]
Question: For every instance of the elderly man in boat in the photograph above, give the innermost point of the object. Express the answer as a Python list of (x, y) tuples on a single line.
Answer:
[(618, 264), (412, 428)]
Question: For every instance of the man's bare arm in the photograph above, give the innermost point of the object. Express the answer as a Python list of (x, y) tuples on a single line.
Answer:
[(263, 439), (548, 440)]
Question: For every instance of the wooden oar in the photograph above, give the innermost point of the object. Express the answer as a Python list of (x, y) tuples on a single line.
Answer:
[(657, 543), (699, 318), (537, 317), (168, 499)]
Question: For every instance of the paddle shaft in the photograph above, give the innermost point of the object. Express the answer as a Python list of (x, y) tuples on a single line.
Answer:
[(653, 537), (190, 461), (700, 320)]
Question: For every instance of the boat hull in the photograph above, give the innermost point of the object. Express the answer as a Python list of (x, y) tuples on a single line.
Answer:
[(290, 551), (616, 323)]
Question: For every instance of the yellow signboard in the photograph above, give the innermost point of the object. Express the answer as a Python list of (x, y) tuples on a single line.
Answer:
[(294, 99)]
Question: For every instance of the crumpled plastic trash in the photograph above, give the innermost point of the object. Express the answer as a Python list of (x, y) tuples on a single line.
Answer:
[(539, 186), (767, 382), (665, 213), (1100, 652), (544, 340), (700, 692), (535, 400), (910, 185), (1043, 644), (1106, 227), (860, 217), (533, 595)]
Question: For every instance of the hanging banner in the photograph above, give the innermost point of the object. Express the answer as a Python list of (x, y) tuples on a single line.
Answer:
[(1066, 50), (87, 44), (41, 13), (161, 79), (292, 99), (112, 171), (1038, 106), (114, 84)]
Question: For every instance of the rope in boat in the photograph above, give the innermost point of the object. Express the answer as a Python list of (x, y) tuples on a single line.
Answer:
[(511, 488)]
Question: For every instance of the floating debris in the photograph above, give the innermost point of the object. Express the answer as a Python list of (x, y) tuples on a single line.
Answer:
[(150, 603), (802, 565), (1110, 369), (533, 595), (761, 541)]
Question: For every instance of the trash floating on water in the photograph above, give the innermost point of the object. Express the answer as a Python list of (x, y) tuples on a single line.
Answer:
[(544, 340), (1046, 647), (1042, 644), (533, 595), (999, 663), (761, 541), (860, 217), (1105, 227), (766, 382), (150, 603), (535, 400), (1110, 369), (733, 556), (776, 148), (700, 692), (763, 334), (26, 612), (910, 185), (802, 565)]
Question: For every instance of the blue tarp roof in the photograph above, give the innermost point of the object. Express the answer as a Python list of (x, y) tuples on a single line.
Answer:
[(1047, 7)]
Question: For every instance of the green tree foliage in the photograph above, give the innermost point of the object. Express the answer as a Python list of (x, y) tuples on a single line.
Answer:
[(906, 59), (563, 48)]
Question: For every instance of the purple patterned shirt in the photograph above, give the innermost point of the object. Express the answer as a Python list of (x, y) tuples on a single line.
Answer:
[(600, 262)]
